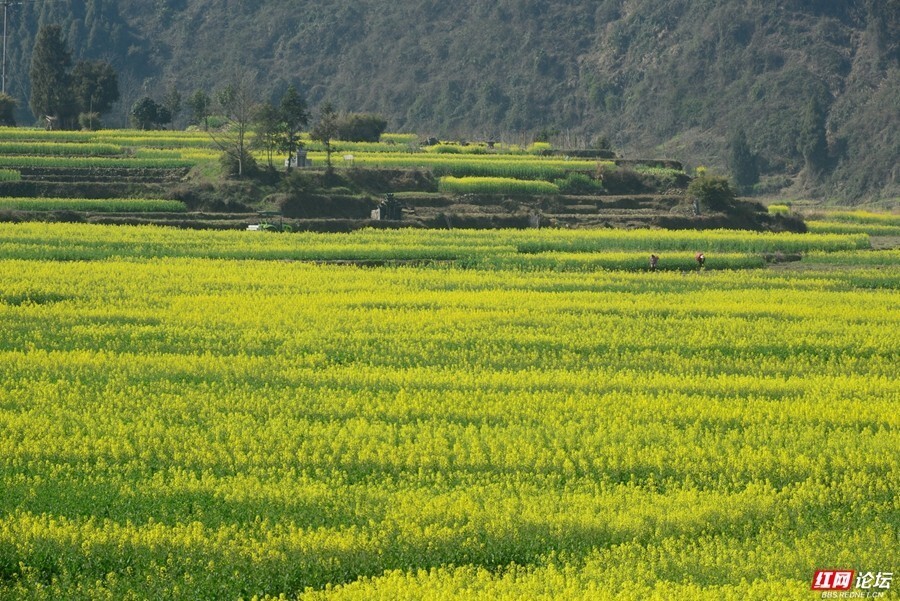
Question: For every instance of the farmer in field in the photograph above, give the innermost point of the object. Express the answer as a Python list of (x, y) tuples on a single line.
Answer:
[(654, 260), (701, 259)]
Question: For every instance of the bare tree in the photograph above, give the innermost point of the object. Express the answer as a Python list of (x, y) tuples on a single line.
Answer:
[(326, 130), (237, 103)]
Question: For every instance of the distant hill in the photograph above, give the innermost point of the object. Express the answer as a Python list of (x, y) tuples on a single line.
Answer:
[(670, 78)]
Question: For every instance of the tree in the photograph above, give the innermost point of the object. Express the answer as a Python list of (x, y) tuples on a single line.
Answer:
[(149, 114), (269, 127), (812, 142), (51, 91), (326, 130), (237, 104), (712, 192), (95, 86), (199, 104), (8, 106), (294, 116), (742, 161), (172, 101), (361, 128)]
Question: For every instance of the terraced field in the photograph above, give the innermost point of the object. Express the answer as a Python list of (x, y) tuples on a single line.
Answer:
[(119, 165)]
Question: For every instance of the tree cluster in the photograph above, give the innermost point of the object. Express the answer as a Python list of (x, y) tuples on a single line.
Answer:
[(147, 113), (65, 96), (278, 127)]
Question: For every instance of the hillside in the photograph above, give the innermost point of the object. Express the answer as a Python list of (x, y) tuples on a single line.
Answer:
[(655, 77)]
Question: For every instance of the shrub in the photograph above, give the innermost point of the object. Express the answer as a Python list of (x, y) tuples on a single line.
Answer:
[(90, 121), (621, 180), (8, 106), (360, 127), (578, 183), (712, 192), (446, 149), (232, 168)]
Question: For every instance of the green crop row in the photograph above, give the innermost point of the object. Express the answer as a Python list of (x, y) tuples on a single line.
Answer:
[(99, 205), (862, 217), (495, 185), (10, 175), (340, 147), (113, 136), (885, 258), (59, 148), (508, 166), (627, 261), (25, 134), (159, 141), (64, 162), (884, 228), (186, 153)]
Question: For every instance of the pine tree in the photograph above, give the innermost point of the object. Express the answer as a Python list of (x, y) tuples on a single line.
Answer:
[(51, 91), (812, 143)]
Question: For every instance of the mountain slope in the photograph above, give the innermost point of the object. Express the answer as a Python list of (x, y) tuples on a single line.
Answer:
[(672, 77)]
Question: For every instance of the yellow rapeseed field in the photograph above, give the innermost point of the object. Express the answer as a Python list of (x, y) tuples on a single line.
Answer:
[(216, 415)]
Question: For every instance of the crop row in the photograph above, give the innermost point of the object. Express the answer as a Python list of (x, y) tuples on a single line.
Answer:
[(630, 261), (47, 241), (866, 217), (59, 149), (466, 166), (112, 136), (707, 241), (98, 161), (100, 205), (193, 154), (495, 185), (873, 228)]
